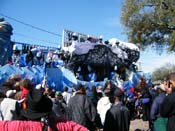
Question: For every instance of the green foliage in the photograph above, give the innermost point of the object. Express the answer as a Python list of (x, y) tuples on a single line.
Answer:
[(163, 72), (150, 22)]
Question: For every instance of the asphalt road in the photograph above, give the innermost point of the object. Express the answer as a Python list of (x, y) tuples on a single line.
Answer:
[(138, 124)]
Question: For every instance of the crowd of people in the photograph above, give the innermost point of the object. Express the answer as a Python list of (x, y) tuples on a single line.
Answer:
[(106, 108)]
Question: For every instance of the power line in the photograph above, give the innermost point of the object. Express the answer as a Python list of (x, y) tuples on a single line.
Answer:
[(26, 24), (19, 34), (20, 43)]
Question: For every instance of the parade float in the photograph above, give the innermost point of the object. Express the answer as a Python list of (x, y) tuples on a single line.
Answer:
[(87, 60), (92, 59)]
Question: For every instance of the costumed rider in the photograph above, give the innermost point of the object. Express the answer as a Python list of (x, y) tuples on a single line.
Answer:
[(39, 57), (117, 49), (29, 58), (74, 39), (49, 59), (100, 40), (74, 43), (91, 76), (15, 55), (89, 39), (113, 73), (78, 74)]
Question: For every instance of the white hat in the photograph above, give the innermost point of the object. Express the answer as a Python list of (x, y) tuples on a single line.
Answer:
[(15, 47), (38, 87), (10, 93), (115, 67), (101, 37), (74, 34)]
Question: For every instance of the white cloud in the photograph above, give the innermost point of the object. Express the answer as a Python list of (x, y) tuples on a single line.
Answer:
[(150, 62)]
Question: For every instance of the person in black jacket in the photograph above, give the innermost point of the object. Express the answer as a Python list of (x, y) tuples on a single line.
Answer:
[(82, 110), (118, 116), (168, 105)]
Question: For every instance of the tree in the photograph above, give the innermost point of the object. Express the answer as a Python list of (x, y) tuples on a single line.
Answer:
[(150, 22), (163, 72)]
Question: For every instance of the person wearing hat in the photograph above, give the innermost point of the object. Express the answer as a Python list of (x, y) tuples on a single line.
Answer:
[(59, 105), (75, 36), (74, 41), (100, 40), (38, 106), (159, 123), (9, 106), (118, 116), (167, 108)]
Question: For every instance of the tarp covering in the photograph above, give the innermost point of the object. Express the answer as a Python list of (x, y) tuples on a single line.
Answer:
[(35, 74), (90, 84), (54, 78), (57, 78), (68, 77)]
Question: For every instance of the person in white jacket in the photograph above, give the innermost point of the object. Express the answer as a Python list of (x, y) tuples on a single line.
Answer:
[(9, 106), (66, 95), (103, 105)]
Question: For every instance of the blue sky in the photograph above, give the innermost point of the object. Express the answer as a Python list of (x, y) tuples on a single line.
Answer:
[(94, 17)]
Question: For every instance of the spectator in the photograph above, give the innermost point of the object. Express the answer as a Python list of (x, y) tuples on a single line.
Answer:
[(159, 123), (39, 107), (26, 86), (9, 106), (15, 78), (66, 95), (118, 116), (2, 96), (168, 105), (93, 96), (99, 92), (145, 99), (81, 109), (109, 85), (7, 85), (103, 105), (59, 105), (146, 103)]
